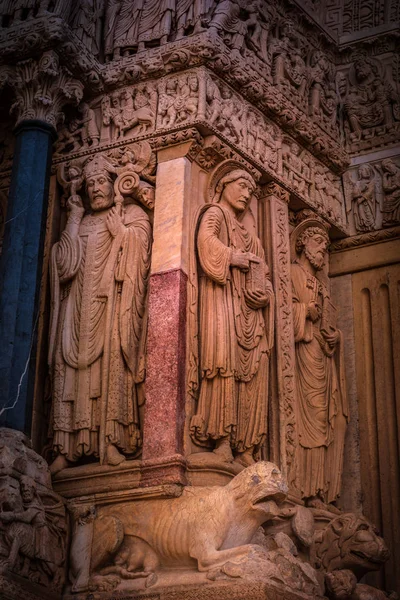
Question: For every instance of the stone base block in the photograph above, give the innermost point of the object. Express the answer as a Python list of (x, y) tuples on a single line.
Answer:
[(210, 591), (14, 587)]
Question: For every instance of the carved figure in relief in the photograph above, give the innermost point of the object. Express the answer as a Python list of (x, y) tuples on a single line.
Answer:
[(364, 199), (288, 66), (258, 39), (295, 168), (391, 189), (206, 527), (99, 272), (166, 103), (322, 406), (83, 20), (226, 21), (28, 536), (138, 110), (90, 131), (371, 99), (156, 21), (342, 585), (192, 14), (126, 28), (322, 91), (235, 300), (110, 22), (20, 7), (188, 98), (228, 120)]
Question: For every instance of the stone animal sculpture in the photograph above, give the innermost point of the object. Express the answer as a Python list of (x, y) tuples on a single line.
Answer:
[(331, 542), (349, 541), (342, 585), (206, 527)]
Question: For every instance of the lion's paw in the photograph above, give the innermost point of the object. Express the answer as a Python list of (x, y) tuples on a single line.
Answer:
[(151, 580), (104, 583)]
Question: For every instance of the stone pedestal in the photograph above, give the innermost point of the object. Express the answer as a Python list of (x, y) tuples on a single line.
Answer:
[(250, 590)]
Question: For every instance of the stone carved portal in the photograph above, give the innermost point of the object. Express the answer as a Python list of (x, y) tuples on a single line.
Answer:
[(232, 86), (99, 273)]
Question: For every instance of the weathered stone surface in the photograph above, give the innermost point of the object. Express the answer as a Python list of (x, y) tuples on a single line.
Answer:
[(166, 380)]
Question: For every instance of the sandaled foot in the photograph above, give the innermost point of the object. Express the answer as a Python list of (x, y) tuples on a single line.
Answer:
[(58, 464), (223, 450), (114, 457), (245, 458)]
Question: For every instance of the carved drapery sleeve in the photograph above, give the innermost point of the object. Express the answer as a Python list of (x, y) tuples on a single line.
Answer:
[(215, 257), (134, 274)]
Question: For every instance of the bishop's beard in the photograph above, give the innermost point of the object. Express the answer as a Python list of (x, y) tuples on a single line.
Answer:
[(316, 260)]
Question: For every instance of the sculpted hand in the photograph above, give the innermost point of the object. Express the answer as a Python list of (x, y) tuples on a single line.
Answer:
[(75, 205), (256, 299), (331, 338), (314, 311), (114, 221), (241, 260)]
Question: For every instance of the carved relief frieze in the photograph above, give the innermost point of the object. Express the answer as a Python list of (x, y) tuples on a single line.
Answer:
[(372, 192), (32, 517), (312, 180), (370, 103)]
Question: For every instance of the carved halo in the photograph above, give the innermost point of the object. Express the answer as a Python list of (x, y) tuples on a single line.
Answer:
[(212, 194), (305, 224)]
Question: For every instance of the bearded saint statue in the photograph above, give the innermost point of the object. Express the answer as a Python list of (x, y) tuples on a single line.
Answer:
[(235, 325), (99, 272), (322, 411)]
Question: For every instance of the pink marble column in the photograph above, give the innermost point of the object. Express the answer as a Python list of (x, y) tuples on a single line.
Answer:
[(164, 416)]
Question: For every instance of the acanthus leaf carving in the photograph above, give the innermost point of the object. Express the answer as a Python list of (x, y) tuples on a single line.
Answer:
[(42, 88)]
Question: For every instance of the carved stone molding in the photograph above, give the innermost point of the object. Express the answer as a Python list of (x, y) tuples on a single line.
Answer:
[(276, 213), (41, 88), (274, 189), (373, 237), (174, 107)]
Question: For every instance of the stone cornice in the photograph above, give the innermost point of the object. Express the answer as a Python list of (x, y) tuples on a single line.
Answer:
[(366, 239)]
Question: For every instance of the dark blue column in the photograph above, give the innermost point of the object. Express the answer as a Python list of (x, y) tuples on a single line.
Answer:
[(20, 271)]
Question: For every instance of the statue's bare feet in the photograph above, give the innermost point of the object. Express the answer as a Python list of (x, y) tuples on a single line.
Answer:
[(223, 450), (58, 464), (245, 458), (114, 457)]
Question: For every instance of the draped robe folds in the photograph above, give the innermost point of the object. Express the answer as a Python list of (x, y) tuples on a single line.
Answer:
[(127, 26), (99, 287), (321, 396), (156, 19), (235, 339)]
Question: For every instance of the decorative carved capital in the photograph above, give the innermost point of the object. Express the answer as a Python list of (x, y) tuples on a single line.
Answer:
[(42, 88), (274, 189)]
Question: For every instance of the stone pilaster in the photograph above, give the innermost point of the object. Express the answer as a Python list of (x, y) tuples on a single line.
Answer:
[(164, 416), (275, 203)]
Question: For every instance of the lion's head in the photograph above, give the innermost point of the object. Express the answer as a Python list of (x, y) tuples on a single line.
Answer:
[(261, 487), (350, 542)]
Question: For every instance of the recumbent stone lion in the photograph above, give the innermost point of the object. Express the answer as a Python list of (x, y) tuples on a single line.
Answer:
[(206, 527)]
